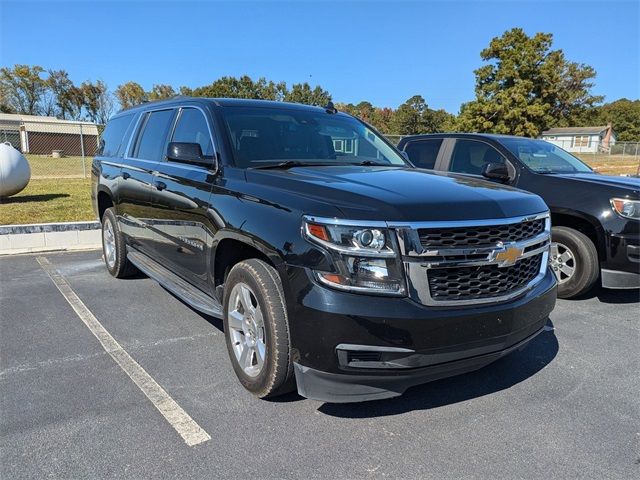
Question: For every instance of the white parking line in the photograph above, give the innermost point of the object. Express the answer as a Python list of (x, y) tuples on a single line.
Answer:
[(188, 429)]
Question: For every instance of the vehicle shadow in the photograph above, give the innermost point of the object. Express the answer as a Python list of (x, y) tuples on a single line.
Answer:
[(606, 295), (500, 375), (503, 374), (34, 198), (215, 322)]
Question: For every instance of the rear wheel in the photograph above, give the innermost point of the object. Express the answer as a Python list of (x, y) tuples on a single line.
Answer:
[(257, 330), (114, 248), (573, 258)]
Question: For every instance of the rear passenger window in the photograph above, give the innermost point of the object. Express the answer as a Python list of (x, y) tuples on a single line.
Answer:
[(152, 140), (112, 140), (423, 153), (192, 128)]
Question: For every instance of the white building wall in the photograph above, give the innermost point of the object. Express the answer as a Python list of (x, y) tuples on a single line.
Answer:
[(567, 142)]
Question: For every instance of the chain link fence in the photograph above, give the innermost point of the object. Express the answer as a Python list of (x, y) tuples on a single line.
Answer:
[(620, 158), (65, 149), (54, 149)]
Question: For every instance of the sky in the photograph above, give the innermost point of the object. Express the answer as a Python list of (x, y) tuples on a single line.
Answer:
[(380, 51)]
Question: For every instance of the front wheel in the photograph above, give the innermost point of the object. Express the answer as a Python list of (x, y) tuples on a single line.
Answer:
[(573, 258), (257, 330)]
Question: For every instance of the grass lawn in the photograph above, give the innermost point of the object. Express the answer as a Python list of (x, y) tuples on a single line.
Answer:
[(50, 200), (47, 167), (67, 198), (611, 164)]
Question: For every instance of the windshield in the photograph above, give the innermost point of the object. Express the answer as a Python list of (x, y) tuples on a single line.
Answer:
[(263, 136), (544, 157)]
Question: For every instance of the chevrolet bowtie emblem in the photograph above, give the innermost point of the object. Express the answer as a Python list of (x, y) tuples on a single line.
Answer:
[(508, 256)]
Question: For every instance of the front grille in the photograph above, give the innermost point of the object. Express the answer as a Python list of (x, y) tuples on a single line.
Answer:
[(464, 237), (479, 282)]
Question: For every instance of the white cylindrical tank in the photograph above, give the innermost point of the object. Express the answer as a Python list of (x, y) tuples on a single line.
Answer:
[(15, 172)]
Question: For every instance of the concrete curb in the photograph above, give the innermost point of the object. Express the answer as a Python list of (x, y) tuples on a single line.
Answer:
[(47, 237)]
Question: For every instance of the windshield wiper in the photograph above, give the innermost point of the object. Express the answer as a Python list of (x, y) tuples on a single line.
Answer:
[(294, 163), (371, 163), (298, 163)]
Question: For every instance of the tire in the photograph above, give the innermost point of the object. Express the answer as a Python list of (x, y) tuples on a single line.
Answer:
[(261, 329), (571, 248), (114, 248)]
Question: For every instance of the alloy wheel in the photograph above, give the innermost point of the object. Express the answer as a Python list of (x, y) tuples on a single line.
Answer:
[(246, 325), (562, 261), (109, 241)]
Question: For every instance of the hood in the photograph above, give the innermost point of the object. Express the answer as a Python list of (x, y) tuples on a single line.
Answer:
[(626, 182), (398, 194)]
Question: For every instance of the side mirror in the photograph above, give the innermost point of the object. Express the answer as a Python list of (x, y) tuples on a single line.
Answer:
[(497, 171), (188, 153), (405, 155)]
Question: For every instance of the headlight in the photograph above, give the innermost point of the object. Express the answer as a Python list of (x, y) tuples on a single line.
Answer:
[(366, 257), (626, 208)]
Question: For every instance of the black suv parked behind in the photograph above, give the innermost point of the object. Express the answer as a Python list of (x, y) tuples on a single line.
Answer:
[(596, 218), (335, 265)]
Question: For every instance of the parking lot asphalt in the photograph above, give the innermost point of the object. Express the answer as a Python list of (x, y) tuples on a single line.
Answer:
[(567, 406)]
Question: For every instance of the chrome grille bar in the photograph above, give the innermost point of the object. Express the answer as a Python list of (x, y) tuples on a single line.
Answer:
[(418, 260)]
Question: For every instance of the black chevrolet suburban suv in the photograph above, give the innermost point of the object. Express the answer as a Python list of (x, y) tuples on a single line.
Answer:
[(596, 218), (336, 266)]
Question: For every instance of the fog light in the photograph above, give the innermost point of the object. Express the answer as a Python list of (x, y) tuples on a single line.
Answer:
[(368, 267)]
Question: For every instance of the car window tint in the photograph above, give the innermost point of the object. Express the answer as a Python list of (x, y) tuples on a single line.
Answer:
[(544, 157), (152, 139), (470, 156), (112, 140), (423, 153), (267, 135), (192, 128)]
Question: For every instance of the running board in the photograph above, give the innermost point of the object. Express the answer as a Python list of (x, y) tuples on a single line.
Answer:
[(182, 289)]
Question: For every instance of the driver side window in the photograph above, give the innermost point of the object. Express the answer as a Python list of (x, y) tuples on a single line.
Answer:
[(192, 128), (470, 156)]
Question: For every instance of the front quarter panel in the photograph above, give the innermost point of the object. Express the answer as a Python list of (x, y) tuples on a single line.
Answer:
[(590, 201), (265, 219)]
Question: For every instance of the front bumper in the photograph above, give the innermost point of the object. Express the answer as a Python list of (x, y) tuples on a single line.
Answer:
[(619, 280), (622, 267), (345, 388), (348, 347)]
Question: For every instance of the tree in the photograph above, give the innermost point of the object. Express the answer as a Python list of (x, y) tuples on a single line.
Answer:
[(349, 108), (161, 92), (436, 121), (408, 118), (303, 93), (624, 116), (573, 100), (4, 104), (186, 91), (68, 98), (243, 87), (365, 111), (23, 88), (98, 101), (526, 87), (130, 94), (414, 116), (384, 119)]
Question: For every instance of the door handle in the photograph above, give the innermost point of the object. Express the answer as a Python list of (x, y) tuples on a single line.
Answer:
[(125, 175), (160, 185)]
